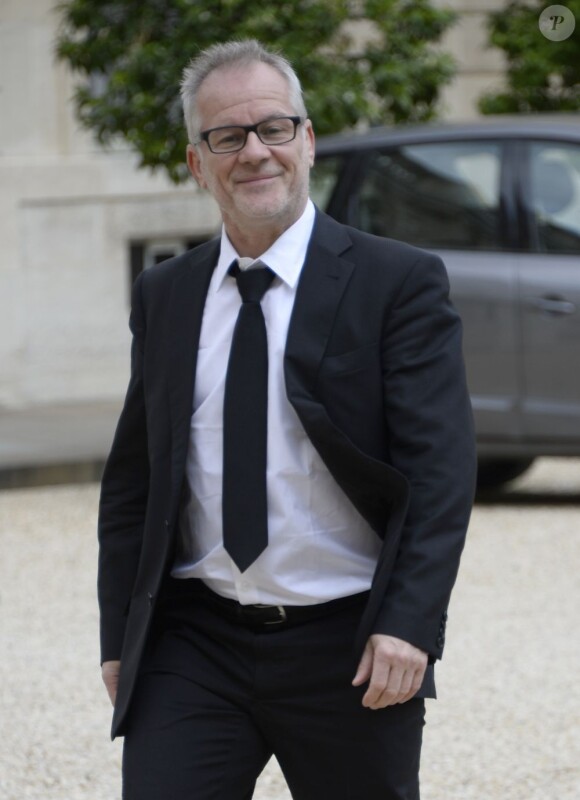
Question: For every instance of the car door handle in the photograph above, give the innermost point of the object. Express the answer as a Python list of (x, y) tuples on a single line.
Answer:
[(552, 305)]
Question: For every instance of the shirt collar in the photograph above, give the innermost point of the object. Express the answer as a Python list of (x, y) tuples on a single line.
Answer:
[(286, 255)]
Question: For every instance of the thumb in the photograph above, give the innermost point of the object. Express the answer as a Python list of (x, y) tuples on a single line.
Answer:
[(364, 669)]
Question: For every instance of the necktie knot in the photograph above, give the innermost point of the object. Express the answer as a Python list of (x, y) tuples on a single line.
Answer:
[(252, 283)]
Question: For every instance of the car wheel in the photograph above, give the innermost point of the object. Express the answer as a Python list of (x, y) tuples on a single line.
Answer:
[(491, 474)]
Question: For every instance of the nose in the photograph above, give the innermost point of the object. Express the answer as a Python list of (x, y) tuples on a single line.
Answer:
[(254, 150)]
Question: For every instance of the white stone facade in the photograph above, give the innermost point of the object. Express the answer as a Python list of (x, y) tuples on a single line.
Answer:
[(69, 212), (480, 67)]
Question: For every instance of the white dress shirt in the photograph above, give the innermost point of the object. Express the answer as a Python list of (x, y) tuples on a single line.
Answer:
[(319, 546)]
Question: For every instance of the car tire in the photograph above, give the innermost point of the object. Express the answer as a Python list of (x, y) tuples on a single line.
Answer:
[(494, 473)]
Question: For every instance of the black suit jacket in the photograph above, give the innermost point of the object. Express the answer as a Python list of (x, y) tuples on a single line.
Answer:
[(374, 370)]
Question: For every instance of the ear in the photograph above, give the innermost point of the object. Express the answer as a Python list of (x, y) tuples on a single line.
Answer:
[(194, 164), (310, 141)]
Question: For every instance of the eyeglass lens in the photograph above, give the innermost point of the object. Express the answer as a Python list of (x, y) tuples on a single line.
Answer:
[(270, 132)]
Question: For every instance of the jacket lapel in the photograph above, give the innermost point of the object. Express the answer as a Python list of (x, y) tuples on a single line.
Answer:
[(372, 486), (186, 313), (323, 280)]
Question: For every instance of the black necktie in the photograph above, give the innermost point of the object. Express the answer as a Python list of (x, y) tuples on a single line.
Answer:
[(244, 505)]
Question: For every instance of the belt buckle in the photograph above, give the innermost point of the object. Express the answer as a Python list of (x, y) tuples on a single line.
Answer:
[(281, 610)]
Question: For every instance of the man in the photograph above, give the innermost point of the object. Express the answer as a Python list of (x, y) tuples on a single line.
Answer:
[(286, 499)]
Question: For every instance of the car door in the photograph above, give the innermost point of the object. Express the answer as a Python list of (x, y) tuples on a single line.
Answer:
[(549, 277), (449, 197)]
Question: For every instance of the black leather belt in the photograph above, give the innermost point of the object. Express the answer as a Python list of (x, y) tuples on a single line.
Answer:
[(262, 616)]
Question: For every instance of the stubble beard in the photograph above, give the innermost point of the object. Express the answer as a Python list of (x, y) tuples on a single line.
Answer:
[(284, 207)]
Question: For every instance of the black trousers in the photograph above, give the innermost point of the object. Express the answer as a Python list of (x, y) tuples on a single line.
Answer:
[(216, 699)]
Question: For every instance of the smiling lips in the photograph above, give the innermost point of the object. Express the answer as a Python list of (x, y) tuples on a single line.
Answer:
[(255, 178)]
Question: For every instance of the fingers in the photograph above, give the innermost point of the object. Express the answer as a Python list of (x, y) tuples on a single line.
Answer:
[(365, 666), (110, 674), (396, 671)]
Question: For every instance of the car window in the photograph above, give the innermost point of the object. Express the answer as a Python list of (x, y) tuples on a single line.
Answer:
[(323, 179), (554, 199), (434, 195)]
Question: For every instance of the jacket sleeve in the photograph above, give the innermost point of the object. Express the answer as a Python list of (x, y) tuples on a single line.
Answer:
[(123, 501), (431, 442)]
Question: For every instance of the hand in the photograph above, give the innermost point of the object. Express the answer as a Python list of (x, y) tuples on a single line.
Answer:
[(110, 673), (394, 669)]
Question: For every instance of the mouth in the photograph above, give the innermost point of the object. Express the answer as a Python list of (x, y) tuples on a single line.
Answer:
[(255, 179)]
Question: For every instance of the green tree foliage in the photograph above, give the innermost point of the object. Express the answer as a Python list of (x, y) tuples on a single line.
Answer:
[(542, 75), (131, 53)]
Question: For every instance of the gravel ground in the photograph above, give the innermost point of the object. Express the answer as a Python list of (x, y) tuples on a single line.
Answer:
[(507, 724)]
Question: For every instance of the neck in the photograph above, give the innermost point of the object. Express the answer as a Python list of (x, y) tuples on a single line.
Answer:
[(251, 244), (254, 239)]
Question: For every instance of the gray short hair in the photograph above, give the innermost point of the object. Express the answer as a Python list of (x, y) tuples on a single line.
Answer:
[(234, 53)]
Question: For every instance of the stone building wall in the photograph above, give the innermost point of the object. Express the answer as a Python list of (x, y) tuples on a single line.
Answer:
[(480, 67)]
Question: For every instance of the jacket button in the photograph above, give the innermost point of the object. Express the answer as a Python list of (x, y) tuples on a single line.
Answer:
[(151, 598)]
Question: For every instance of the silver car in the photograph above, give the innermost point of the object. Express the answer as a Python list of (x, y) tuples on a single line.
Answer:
[(499, 200)]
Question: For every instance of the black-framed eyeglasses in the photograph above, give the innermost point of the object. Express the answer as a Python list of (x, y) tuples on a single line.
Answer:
[(231, 138)]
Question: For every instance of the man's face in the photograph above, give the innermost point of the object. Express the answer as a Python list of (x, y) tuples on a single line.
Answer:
[(259, 187)]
